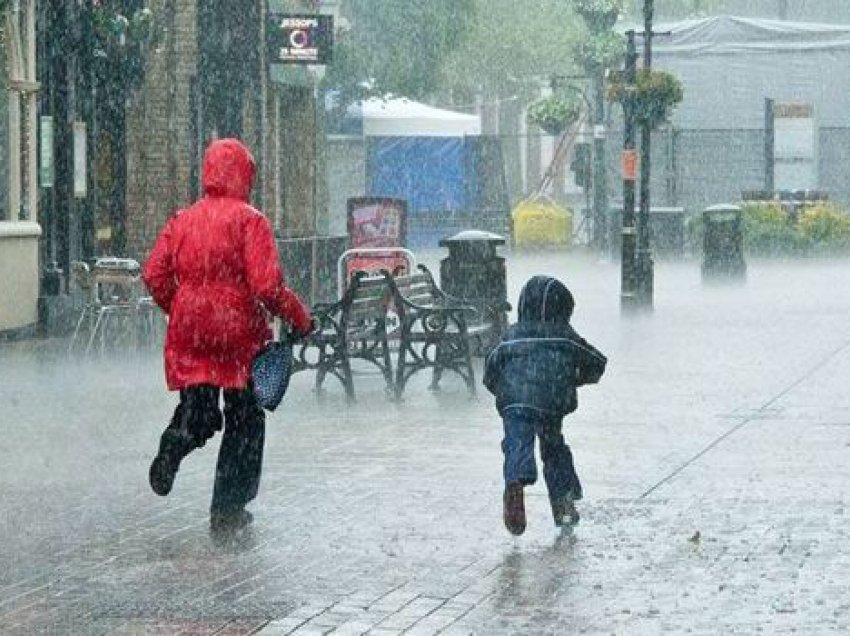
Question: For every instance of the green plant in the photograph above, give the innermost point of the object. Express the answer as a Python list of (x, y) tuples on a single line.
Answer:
[(600, 15), (141, 27), (555, 113), (122, 44), (397, 47), (655, 94), (768, 230), (825, 228), (601, 51)]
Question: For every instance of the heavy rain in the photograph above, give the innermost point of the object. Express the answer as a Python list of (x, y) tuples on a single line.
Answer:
[(558, 288)]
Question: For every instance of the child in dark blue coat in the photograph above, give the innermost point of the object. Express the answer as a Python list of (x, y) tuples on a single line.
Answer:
[(534, 372)]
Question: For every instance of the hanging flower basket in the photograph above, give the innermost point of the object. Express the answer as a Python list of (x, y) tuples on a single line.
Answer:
[(656, 94), (600, 51), (141, 26), (115, 30), (554, 114), (599, 15), (121, 43)]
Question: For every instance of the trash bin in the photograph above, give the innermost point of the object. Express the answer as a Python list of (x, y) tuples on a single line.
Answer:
[(474, 272), (51, 280), (49, 306), (539, 221), (723, 243)]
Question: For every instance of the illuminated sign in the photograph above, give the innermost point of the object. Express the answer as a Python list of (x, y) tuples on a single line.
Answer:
[(300, 38)]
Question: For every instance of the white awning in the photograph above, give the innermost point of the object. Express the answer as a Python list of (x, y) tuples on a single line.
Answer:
[(397, 116)]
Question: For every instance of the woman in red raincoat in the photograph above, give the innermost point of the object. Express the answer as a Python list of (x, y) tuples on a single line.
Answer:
[(214, 270)]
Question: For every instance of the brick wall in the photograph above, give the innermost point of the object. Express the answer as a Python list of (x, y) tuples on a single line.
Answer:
[(160, 153), (162, 150)]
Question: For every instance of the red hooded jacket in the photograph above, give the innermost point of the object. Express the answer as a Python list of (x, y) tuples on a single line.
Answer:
[(214, 269)]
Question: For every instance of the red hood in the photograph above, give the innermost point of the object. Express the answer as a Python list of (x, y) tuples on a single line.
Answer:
[(228, 170)]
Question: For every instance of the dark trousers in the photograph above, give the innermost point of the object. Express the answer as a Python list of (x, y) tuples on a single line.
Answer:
[(240, 458), (521, 427)]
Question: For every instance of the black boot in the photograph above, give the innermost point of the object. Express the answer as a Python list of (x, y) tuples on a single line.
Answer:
[(230, 521), (195, 420), (173, 447)]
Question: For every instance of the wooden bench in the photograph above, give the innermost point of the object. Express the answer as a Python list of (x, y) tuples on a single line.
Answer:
[(353, 327), (436, 331)]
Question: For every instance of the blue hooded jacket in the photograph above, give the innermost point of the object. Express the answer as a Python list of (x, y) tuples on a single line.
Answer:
[(541, 359)]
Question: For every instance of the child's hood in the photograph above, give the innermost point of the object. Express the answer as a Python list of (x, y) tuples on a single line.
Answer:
[(545, 299)]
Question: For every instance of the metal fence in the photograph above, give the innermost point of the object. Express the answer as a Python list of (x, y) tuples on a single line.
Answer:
[(697, 168), (310, 265), (691, 169)]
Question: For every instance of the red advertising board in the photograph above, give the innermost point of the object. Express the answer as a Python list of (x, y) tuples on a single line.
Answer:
[(375, 222)]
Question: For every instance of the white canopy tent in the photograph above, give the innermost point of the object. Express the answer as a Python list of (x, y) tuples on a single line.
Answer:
[(745, 79), (729, 65), (401, 117)]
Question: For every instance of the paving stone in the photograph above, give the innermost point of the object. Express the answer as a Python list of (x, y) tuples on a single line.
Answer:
[(714, 457)]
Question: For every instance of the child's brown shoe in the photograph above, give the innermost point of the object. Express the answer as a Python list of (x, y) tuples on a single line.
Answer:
[(514, 509)]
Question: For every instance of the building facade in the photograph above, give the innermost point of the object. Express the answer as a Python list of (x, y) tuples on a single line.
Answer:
[(129, 93), (19, 229), (208, 77)]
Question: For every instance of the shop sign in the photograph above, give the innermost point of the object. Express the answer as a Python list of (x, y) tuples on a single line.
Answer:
[(299, 38)]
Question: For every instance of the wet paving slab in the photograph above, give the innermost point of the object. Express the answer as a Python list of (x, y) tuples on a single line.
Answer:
[(713, 455)]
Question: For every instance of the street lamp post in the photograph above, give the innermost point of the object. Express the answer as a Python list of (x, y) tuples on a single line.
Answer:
[(628, 262), (645, 266), (600, 182)]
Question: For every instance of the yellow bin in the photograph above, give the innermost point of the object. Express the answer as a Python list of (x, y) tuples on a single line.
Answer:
[(539, 221)]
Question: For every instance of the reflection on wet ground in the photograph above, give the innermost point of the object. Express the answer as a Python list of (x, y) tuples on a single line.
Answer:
[(717, 410)]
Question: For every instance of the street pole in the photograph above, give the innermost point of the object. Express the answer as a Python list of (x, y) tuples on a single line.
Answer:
[(628, 291), (644, 251), (769, 145), (600, 181)]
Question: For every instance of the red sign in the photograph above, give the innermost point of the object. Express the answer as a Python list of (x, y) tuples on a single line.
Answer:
[(377, 222), (630, 161)]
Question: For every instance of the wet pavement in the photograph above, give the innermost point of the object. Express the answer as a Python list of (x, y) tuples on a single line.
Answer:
[(714, 456)]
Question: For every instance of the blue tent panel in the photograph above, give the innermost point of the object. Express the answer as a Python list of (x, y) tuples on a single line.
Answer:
[(448, 182), (428, 172)]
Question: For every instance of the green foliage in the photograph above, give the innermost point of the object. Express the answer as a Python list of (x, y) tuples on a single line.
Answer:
[(600, 15), (395, 46), (122, 44), (825, 228), (497, 48), (142, 26), (668, 10), (656, 93), (511, 46), (555, 113), (820, 229), (603, 50), (599, 6), (677, 9), (768, 230)]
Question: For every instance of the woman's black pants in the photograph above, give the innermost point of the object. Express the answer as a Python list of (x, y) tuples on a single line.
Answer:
[(240, 458)]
